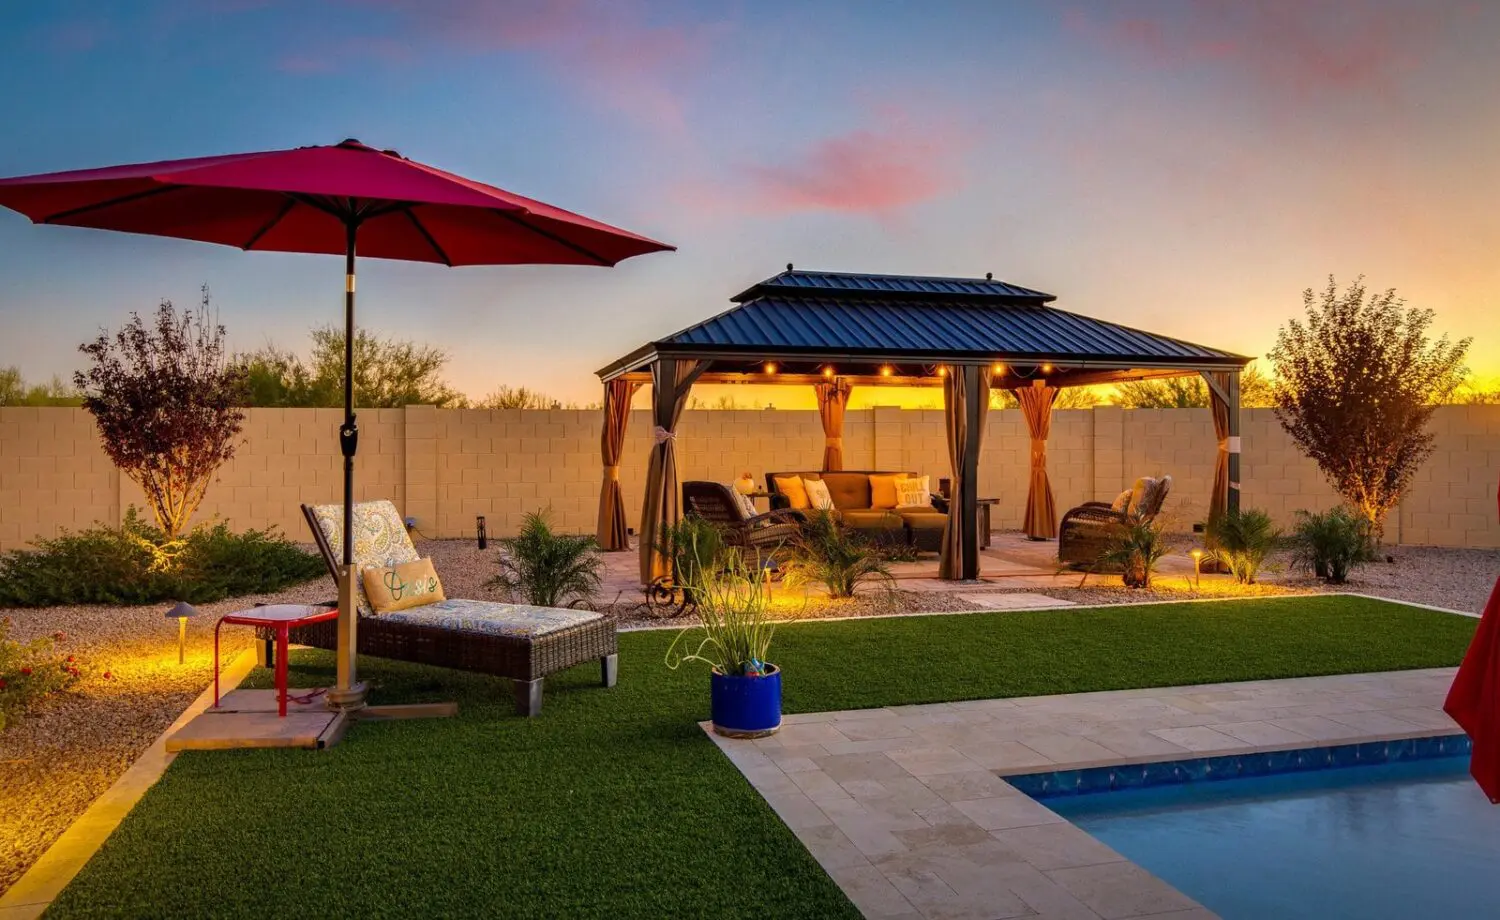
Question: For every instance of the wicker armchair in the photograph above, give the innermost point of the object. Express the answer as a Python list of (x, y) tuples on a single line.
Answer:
[(757, 533), (1087, 530), (520, 642)]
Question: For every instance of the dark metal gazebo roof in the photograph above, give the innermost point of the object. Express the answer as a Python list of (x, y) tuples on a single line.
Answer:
[(808, 317)]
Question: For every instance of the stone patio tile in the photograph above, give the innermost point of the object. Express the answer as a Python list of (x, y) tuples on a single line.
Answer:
[(870, 834), (944, 814), (1200, 739), (1016, 600), (858, 715), (1427, 718), (860, 766), (959, 787), (873, 729), (870, 747), (769, 779), (1040, 893), (1260, 733), (1319, 728), (1375, 722), (794, 764), (1136, 743), (814, 733), (861, 789), (949, 886), (1005, 755), (1004, 812), (1067, 749), (831, 848), (816, 783), (1121, 890), (801, 718), (1056, 846), (1000, 705), (872, 892), (796, 810), (940, 839), (925, 761), (912, 792)]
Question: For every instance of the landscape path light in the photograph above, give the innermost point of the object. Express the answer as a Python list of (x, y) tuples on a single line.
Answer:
[(180, 612)]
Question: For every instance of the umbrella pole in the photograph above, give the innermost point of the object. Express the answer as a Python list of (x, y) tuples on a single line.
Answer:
[(349, 693)]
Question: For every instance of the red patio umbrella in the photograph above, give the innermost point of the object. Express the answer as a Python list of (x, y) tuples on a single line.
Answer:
[(329, 199), (1474, 699)]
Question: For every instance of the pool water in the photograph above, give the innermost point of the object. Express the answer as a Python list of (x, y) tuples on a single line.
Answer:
[(1398, 840)]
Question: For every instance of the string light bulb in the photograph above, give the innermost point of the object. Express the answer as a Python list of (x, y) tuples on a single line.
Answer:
[(886, 370), (1046, 368), (997, 369), (828, 371), (770, 367), (943, 370)]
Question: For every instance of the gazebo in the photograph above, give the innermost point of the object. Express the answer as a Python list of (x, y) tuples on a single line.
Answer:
[(834, 331)]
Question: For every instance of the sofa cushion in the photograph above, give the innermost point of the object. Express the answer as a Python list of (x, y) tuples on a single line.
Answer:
[(850, 491), (794, 490), (868, 519), (518, 621), (883, 489), (923, 519)]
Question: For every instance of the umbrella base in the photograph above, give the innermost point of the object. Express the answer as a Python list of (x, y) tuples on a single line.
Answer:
[(349, 700)]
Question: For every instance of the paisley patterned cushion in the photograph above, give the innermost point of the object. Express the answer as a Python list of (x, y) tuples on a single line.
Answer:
[(380, 539), (515, 620)]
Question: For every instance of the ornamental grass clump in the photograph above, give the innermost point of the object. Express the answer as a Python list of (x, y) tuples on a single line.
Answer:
[(547, 569), (30, 671), (1331, 543), (1134, 549), (827, 553), (1241, 540), (693, 546), (734, 628)]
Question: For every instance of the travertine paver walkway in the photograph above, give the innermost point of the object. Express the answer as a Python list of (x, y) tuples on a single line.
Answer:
[(905, 808)]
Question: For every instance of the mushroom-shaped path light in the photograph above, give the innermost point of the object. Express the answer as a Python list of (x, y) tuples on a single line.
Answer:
[(180, 612)]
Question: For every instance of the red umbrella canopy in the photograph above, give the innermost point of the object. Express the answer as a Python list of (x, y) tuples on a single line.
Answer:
[(304, 200)]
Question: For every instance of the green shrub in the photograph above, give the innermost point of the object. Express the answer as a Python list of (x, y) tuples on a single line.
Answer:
[(548, 569), (733, 631), (135, 563), (1331, 543), (693, 545), (827, 553), (1241, 540), (1134, 549), (29, 671)]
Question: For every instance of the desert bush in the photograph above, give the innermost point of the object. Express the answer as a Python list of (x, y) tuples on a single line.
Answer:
[(1331, 543), (1134, 549), (136, 563), (547, 569), (834, 556), (30, 671), (1241, 540)]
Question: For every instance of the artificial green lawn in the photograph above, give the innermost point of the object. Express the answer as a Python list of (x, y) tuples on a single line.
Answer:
[(613, 803)]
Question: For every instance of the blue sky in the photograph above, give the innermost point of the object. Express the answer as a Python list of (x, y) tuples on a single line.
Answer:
[(1188, 167)]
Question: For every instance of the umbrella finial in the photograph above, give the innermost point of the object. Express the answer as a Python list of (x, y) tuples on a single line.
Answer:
[(989, 276), (789, 267)]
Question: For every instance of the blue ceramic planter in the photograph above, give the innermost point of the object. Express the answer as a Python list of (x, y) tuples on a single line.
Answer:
[(747, 707)]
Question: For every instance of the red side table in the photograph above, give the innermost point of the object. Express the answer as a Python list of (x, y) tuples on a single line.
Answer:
[(280, 617)]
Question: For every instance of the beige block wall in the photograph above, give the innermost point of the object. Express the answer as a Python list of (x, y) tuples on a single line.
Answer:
[(443, 467)]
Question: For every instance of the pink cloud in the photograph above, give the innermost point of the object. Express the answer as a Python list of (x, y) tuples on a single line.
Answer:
[(331, 57), (879, 170), (76, 36), (1289, 47)]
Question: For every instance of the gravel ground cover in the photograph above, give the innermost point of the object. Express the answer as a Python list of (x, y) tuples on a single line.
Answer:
[(58, 760)]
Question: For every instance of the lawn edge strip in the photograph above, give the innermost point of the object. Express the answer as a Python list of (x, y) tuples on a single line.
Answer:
[(35, 891)]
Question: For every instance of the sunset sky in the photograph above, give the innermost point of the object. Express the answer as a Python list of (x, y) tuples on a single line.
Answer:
[(1188, 167)]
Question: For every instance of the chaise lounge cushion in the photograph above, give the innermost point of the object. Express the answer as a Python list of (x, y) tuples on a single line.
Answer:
[(493, 618), (380, 539)]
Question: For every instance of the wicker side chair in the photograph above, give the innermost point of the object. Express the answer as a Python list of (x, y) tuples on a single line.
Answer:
[(1087, 530), (761, 534), (516, 641)]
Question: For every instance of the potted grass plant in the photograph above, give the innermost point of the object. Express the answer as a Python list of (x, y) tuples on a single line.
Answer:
[(733, 637)]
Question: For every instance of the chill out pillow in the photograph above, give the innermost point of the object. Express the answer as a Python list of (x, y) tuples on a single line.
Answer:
[(401, 587)]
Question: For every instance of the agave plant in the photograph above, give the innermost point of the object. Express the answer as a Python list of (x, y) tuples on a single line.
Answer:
[(1241, 540), (1331, 543), (733, 632), (1134, 549), (826, 553), (547, 569)]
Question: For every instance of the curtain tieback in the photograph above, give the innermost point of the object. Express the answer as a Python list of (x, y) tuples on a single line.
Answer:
[(662, 435), (834, 442), (612, 473)]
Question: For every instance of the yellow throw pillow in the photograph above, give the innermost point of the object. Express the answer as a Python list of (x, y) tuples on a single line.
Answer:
[(794, 490), (398, 587), (883, 489)]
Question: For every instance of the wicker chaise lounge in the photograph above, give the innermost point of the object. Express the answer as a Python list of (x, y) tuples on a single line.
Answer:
[(1087, 530), (520, 642)]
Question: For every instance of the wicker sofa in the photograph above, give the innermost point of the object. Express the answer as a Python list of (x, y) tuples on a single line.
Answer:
[(851, 494), (522, 643), (1086, 531)]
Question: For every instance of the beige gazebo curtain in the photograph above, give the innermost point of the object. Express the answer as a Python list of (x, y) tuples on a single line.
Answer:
[(1041, 513), (1218, 386), (671, 382), (966, 402), (612, 534), (833, 399)]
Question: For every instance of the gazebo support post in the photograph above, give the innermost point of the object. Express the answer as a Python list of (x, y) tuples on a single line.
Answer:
[(975, 405), (1233, 398)]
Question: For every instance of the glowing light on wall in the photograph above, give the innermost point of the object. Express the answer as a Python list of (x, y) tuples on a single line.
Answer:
[(886, 370), (770, 367)]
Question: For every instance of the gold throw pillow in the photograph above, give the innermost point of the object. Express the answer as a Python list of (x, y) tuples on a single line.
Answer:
[(794, 490), (883, 490), (399, 587)]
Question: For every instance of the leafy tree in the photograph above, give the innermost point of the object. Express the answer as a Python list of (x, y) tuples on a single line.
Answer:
[(508, 397), (1473, 393), (388, 374), (1190, 392), (1355, 387), (165, 399), (15, 391), (1067, 398)]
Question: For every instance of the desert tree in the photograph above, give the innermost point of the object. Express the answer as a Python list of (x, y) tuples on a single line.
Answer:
[(388, 373), (166, 400), (1356, 384), (1190, 392)]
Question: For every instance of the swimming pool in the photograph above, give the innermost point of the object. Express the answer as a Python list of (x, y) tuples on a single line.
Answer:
[(1402, 839)]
